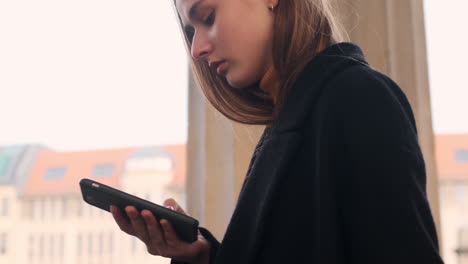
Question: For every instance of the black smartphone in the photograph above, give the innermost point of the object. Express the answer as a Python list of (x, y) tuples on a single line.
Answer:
[(103, 196)]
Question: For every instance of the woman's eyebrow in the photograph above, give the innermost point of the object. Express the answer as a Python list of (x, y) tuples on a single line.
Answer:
[(193, 9)]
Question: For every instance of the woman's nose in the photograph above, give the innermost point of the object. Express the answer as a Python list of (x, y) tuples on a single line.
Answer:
[(201, 46)]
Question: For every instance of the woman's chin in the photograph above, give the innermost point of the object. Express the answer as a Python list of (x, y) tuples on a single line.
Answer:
[(236, 85), (239, 83)]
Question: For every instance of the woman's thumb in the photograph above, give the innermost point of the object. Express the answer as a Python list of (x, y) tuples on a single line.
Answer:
[(173, 205)]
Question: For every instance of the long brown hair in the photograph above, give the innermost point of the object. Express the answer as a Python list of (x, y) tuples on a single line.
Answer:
[(302, 28)]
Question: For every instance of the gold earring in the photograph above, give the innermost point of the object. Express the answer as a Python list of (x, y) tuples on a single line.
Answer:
[(271, 7)]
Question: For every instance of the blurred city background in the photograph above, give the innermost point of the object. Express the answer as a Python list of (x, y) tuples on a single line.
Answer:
[(98, 89)]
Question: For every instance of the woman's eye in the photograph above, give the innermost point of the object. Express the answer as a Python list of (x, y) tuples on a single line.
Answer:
[(210, 19), (189, 33)]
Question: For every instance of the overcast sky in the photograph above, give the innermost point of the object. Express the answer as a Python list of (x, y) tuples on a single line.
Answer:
[(110, 73), (91, 74), (447, 40)]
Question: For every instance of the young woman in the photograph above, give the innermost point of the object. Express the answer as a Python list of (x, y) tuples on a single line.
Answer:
[(337, 176)]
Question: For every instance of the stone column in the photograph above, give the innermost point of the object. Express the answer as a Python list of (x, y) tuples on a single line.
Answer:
[(218, 155)]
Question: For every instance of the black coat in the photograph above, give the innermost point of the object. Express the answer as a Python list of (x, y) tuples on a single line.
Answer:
[(338, 178)]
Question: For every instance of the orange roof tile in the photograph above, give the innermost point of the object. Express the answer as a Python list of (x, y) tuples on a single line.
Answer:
[(446, 145), (79, 165)]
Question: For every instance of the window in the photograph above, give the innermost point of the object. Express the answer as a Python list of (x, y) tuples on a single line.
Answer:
[(101, 244), (35, 209), (31, 247), (90, 244), (3, 243), (461, 155), (42, 208), (103, 170), (61, 245), (27, 210), (52, 208), (52, 246), (459, 193), (111, 243), (41, 246), (133, 244), (55, 173), (64, 207), (4, 207)]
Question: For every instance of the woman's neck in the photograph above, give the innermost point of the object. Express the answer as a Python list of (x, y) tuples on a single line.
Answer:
[(270, 83)]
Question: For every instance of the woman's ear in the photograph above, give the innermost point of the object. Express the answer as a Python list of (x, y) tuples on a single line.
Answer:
[(271, 4)]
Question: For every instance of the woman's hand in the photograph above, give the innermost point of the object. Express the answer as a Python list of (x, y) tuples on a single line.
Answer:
[(159, 235)]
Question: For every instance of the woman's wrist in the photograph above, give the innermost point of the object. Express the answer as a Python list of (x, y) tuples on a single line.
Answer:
[(204, 256)]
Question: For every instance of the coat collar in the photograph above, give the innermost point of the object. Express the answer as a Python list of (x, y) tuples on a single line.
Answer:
[(309, 85)]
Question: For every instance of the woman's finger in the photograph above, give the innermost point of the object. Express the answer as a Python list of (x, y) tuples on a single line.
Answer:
[(169, 233), (175, 205), (122, 221), (155, 231), (138, 224)]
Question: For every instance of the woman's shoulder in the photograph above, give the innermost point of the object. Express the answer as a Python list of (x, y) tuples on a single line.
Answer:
[(361, 82), (362, 87)]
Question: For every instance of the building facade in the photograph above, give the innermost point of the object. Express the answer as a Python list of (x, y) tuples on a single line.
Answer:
[(48, 222), (15, 164), (452, 166)]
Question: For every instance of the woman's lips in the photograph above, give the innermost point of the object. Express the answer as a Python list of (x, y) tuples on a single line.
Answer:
[(219, 67)]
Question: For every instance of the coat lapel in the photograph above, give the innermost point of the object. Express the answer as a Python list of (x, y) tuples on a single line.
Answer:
[(241, 238), (309, 86), (244, 233)]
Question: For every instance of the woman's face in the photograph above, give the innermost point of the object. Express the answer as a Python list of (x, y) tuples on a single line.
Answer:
[(233, 36)]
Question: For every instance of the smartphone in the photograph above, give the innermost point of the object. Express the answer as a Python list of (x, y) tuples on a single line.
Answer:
[(103, 196)]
